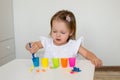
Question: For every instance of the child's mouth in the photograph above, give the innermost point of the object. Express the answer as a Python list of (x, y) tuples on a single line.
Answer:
[(58, 39)]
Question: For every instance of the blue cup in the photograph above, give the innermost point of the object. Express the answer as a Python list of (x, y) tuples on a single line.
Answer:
[(35, 61)]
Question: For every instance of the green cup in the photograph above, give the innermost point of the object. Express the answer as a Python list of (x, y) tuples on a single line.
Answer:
[(55, 62)]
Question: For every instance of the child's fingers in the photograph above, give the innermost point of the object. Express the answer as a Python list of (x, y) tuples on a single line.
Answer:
[(97, 62), (34, 48)]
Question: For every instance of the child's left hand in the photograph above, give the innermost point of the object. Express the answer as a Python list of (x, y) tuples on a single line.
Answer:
[(97, 62)]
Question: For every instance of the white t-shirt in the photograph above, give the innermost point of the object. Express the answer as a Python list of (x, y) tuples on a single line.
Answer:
[(69, 49)]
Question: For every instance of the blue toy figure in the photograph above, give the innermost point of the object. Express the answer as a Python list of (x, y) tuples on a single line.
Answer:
[(34, 59), (75, 69)]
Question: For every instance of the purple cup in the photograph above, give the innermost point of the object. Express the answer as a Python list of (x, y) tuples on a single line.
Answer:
[(72, 61)]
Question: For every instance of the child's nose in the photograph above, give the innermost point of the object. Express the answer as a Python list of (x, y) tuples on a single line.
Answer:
[(57, 34)]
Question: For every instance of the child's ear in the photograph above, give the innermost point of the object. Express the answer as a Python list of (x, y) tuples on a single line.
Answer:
[(71, 33)]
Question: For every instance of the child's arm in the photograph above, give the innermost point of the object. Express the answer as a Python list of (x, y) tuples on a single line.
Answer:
[(90, 56), (35, 46)]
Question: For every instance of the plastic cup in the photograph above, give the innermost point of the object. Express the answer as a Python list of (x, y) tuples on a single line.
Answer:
[(35, 61), (55, 62), (64, 62), (72, 61), (44, 62)]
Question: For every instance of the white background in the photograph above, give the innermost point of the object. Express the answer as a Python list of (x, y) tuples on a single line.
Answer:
[(97, 20)]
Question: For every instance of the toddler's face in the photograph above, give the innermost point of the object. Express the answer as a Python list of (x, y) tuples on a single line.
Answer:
[(59, 32)]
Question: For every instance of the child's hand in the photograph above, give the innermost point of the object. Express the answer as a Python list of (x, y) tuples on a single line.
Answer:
[(97, 62), (33, 49)]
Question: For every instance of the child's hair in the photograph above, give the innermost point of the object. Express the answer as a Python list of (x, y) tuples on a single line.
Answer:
[(68, 18)]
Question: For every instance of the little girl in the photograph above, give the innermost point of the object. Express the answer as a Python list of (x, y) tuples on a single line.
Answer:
[(62, 41)]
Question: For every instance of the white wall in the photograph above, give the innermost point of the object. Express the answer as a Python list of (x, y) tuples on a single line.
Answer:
[(97, 20)]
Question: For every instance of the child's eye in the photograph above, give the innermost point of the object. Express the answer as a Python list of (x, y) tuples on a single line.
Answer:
[(63, 32), (54, 31)]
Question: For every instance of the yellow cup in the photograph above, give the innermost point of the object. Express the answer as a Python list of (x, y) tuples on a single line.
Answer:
[(44, 62)]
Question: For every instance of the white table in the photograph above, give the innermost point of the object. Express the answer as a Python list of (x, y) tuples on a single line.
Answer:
[(18, 69)]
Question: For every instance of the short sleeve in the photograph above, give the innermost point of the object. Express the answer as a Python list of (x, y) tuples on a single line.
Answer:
[(79, 42), (45, 41)]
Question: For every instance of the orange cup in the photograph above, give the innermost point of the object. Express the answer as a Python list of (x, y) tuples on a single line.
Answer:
[(64, 62)]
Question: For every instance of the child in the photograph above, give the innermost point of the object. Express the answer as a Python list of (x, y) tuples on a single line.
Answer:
[(62, 42)]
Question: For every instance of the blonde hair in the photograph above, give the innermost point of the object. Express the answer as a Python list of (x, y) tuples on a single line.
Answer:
[(67, 17)]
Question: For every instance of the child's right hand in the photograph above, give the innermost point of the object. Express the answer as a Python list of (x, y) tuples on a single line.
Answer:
[(34, 48)]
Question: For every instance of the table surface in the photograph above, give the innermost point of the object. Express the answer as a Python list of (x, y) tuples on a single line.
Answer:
[(18, 69)]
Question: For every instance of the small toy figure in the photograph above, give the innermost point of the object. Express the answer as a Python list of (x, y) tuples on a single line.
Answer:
[(75, 70)]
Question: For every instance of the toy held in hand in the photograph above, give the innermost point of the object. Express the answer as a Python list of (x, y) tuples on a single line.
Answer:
[(34, 59)]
